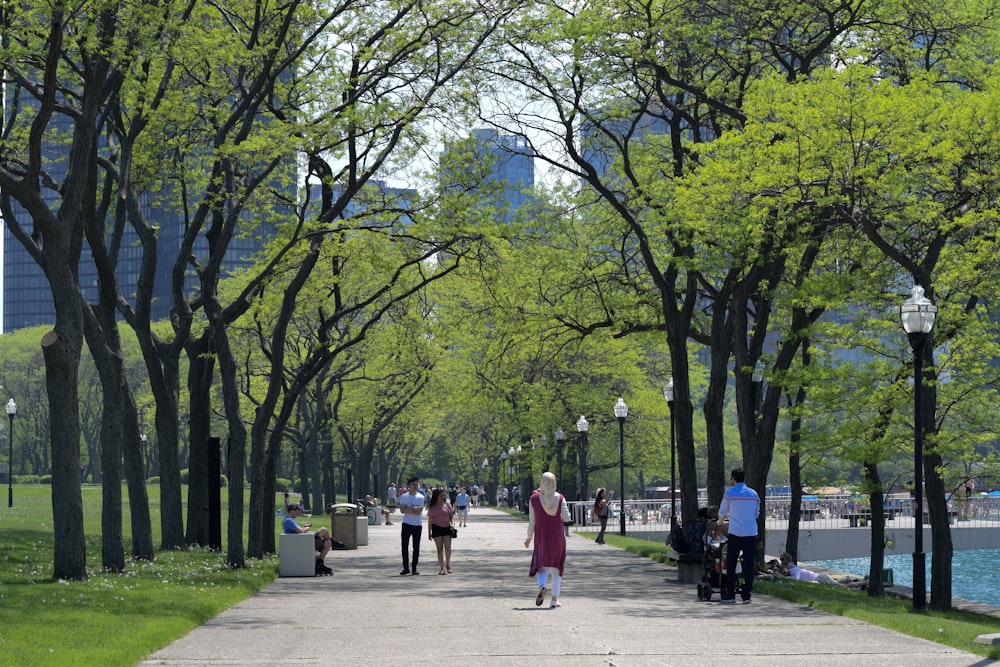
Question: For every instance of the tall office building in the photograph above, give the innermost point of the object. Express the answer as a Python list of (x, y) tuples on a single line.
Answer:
[(499, 168), (27, 300)]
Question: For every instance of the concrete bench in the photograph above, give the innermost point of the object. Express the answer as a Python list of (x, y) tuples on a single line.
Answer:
[(297, 555), (690, 567), (362, 533)]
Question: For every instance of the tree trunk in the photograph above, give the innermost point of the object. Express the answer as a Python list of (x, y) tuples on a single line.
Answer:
[(795, 482), (119, 426), (61, 348), (678, 332), (201, 365), (795, 462), (235, 553), (714, 408), (876, 501), (942, 549), (112, 538), (171, 497), (142, 527), (311, 439), (935, 490)]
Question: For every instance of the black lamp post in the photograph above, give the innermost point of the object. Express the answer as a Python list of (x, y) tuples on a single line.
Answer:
[(758, 381), (668, 393), (621, 412), (560, 441), (143, 440), (484, 483), (511, 470), (11, 412), (503, 468), (917, 317), (520, 475), (582, 425)]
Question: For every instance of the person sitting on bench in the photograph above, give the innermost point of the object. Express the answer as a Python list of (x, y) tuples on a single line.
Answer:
[(322, 536)]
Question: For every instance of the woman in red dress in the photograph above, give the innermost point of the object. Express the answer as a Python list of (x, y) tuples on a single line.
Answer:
[(547, 511)]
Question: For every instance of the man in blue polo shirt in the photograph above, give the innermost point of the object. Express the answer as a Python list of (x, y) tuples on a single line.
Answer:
[(322, 538), (742, 505)]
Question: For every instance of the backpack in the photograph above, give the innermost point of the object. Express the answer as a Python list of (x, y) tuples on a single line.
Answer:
[(696, 536), (678, 540)]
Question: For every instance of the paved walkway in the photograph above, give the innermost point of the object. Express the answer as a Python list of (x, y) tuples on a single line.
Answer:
[(619, 610)]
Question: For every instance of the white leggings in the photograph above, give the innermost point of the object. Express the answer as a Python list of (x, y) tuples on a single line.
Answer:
[(543, 575)]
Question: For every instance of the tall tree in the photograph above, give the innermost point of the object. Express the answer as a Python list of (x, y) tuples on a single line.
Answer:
[(76, 82)]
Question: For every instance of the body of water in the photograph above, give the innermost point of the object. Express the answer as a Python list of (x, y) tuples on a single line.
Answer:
[(969, 569)]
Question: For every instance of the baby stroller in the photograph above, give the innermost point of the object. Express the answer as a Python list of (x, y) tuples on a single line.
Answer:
[(715, 571)]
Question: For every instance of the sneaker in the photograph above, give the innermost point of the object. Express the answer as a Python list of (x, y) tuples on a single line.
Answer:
[(414, 573), (404, 572), (747, 601), (728, 600), (555, 603), (540, 598)]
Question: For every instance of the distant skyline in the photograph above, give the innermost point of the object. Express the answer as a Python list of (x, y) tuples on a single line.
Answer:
[(27, 298)]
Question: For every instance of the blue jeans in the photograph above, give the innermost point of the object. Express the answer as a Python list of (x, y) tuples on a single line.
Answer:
[(743, 550), (604, 525)]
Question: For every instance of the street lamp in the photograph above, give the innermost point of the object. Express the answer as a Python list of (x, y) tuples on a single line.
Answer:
[(560, 441), (917, 317), (484, 499), (520, 476), (503, 467), (758, 379), (582, 425), (11, 412), (621, 412), (143, 440), (668, 393), (510, 476)]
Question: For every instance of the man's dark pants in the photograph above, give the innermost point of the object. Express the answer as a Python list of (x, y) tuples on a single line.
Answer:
[(744, 550), (415, 532)]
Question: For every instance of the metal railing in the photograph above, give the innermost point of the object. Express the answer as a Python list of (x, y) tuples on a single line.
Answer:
[(650, 519)]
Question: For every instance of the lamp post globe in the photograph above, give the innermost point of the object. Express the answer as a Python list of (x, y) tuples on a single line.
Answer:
[(916, 315), (621, 412), (668, 394), (11, 413)]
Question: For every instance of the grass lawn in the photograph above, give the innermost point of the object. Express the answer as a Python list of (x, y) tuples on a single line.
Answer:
[(957, 629), (111, 619)]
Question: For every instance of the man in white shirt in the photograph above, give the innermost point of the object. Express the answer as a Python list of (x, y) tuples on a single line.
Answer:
[(411, 505)]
